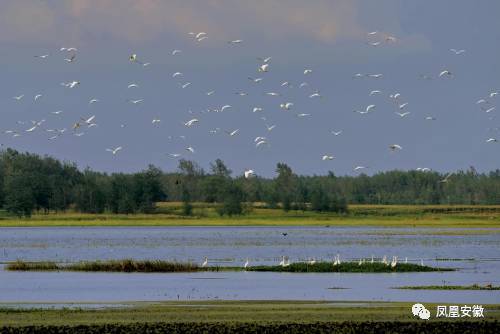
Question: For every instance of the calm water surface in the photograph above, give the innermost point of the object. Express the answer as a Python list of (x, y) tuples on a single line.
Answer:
[(477, 256)]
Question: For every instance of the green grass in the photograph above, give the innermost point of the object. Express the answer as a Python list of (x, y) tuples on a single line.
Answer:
[(260, 312), (160, 266), (450, 287), (169, 214)]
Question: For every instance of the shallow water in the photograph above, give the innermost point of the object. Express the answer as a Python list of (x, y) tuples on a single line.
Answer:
[(232, 246)]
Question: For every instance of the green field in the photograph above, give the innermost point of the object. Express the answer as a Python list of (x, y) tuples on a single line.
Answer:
[(169, 214), (260, 312)]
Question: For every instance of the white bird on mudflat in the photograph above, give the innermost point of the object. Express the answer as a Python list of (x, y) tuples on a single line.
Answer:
[(233, 133), (114, 150), (18, 98), (264, 68), (336, 133), (133, 85), (457, 52), (205, 263), (191, 122), (257, 109), (403, 114), (395, 147), (373, 92), (327, 157), (394, 261), (286, 106), (491, 140), (249, 173), (190, 149), (246, 264)]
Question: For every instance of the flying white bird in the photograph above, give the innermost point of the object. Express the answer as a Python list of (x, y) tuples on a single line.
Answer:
[(37, 96), (93, 101), (286, 106), (491, 140), (155, 120), (357, 168), (446, 179), (210, 92), (133, 85), (370, 107), (375, 76), (307, 71), (42, 56), (423, 169), (271, 127), (493, 94), (261, 142), (249, 173), (136, 101), (114, 150), (255, 80), (88, 120), (233, 133), (403, 114), (191, 122), (265, 60), (177, 74), (190, 149), (445, 72), (56, 112), (186, 85), (257, 109), (336, 133), (401, 106), (71, 84), (70, 59), (227, 106), (303, 115), (314, 95), (236, 41), (430, 118), (373, 92), (264, 68), (489, 110), (457, 52), (272, 94), (176, 52), (18, 98), (395, 147), (327, 157)]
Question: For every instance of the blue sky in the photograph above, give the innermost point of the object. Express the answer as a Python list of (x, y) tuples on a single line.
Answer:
[(329, 37)]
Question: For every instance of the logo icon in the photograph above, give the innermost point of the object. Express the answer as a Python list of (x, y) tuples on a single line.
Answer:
[(420, 311)]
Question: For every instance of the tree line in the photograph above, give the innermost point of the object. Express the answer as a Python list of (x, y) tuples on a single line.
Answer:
[(29, 182)]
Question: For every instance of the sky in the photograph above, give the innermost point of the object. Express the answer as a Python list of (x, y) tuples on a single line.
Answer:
[(329, 37)]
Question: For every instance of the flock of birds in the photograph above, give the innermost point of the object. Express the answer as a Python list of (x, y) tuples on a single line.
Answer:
[(285, 261), (263, 69)]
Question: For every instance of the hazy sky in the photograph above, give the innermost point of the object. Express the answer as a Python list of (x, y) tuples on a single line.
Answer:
[(327, 36)]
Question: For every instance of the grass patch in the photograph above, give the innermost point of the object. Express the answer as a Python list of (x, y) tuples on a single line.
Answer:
[(450, 287), (159, 266), (347, 267)]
